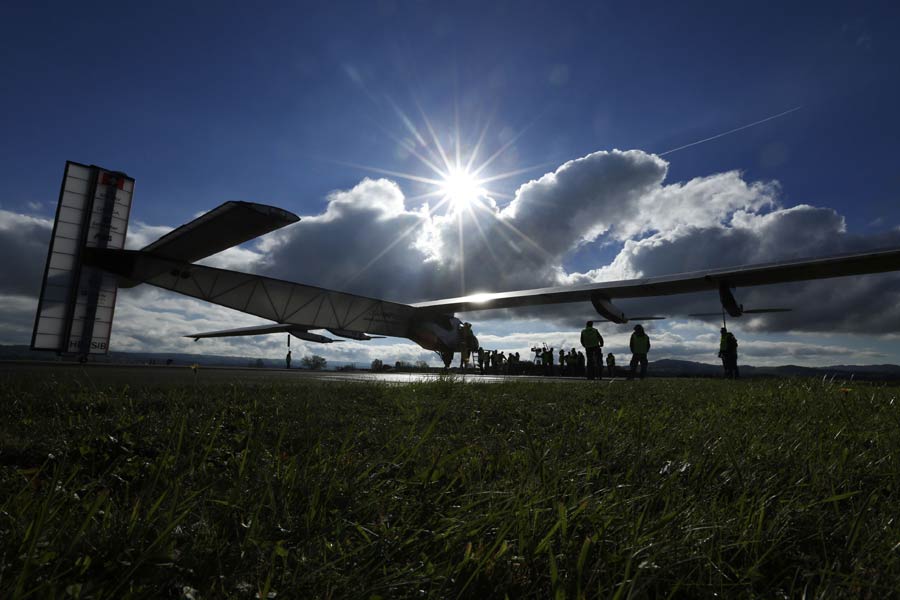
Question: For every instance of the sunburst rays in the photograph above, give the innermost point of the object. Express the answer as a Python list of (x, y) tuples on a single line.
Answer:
[(455, 176)]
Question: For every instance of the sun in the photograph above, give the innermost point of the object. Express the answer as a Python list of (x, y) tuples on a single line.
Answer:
[(458, 178), (461, 188)]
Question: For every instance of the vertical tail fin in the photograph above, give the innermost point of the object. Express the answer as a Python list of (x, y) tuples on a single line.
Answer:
[(75, 310)]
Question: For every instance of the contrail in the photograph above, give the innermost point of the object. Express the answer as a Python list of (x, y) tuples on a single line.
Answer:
[(741, 128)]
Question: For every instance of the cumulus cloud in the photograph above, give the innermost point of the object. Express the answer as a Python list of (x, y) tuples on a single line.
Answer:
[(17, 317), (369, 239), (23, 246), (585, 198), (364, 242)]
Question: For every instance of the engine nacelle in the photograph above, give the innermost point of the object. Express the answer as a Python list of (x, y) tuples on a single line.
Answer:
[(607, 309), (353, 335), (311, 337), (729, 302)]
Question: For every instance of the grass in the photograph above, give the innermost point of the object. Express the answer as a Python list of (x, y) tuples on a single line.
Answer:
[(645, 489)]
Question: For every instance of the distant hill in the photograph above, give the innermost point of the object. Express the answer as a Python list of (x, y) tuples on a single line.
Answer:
[(686, 368), (661, 368), (159, 358)]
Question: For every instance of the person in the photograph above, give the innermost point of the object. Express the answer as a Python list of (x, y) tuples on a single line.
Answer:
[(611, 364), (640, 346), (287, 360), (563, 367), (592, 342), (467, 346), (481, 359), (547, 361), (728, 346), (494, 361), (572, 363), (463, 358), (518, 364), (581, 363)]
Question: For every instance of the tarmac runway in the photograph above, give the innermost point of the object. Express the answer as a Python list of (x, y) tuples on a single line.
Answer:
[(118, 374)]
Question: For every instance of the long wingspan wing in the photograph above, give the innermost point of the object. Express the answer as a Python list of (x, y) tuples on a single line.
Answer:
[(764, 274), (283, 302), (295, 330)]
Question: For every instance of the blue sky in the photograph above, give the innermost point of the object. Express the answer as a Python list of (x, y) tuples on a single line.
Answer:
[(203, 103)]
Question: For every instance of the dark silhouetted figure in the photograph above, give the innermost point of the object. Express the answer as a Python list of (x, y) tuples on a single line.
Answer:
[(481, 354), (469, 343), (548, 362), (611, 364), (592, 342), (728, 346), (287, 360), (640, 346)]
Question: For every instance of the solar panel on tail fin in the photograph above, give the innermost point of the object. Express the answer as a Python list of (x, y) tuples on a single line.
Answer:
[(75, 310)]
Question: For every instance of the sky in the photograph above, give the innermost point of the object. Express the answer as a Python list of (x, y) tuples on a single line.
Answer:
[(584, 116)]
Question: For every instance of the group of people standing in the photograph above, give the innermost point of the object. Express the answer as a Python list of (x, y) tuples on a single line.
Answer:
[(593, 347), (574, 363), (491, 361), (579, 364)]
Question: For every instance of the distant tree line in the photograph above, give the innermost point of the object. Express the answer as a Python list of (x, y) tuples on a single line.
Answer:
[(400, 365), (313, 362)]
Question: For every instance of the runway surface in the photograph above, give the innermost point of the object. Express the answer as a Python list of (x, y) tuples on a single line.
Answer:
[(114, 374)]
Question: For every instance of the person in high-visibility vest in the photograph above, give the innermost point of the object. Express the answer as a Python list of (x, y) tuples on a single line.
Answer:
[(640, 346), (592, 342), (611, 364), (728, 346)]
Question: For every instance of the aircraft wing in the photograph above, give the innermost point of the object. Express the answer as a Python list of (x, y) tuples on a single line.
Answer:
[(295, 330), (714, 279)]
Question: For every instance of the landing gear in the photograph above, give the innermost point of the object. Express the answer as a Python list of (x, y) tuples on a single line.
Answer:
[(447, 357)]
